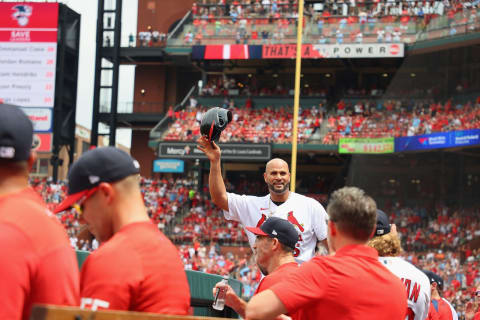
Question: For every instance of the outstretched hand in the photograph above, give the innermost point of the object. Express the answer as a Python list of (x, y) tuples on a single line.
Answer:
[(211, 150)]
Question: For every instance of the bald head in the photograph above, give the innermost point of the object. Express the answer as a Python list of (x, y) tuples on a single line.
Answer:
[(277, 163), (277, 178)]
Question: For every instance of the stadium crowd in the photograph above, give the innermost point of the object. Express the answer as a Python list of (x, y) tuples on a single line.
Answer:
[(356, 118), (396, 118), (434, 238), (269, 22), (253, 125)]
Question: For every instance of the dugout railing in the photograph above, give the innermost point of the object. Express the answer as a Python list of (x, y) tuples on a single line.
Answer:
[(200, 284)]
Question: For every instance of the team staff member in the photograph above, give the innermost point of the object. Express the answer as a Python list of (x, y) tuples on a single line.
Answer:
[(136, 268), (352, 284), (387, 243), (273, 248), (306, 214), (440, 307), (38, 265)]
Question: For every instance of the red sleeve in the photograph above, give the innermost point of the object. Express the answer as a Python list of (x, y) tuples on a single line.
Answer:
[(309, 283), (104, 287), (14, 275)]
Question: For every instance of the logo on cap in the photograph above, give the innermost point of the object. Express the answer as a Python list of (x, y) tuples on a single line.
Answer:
[(7, 152), (93, 179)]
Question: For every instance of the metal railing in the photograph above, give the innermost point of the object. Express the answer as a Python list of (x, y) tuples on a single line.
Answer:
[(156, 132)]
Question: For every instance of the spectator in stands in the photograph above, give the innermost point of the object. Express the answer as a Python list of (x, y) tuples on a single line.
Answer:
[(137, 268), (38, 264), (273, 248)]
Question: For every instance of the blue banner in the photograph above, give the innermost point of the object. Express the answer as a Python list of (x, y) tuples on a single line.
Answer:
[(168, 165), (438, 140)]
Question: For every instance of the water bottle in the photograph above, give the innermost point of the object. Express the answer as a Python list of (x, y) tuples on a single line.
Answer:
[(219, 302)]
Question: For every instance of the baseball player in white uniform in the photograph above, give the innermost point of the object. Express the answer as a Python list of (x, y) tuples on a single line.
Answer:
[(387, 243), (306, 214)]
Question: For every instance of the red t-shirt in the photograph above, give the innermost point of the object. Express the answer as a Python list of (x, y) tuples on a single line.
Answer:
[(352, 284), (38, 263), (442, 309), (278, 275), (138, 269)]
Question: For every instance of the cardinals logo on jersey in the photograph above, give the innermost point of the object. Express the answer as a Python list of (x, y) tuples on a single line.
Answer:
[(291, 218), (22, 14)]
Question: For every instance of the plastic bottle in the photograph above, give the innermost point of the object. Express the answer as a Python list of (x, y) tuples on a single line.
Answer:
[(219, 302)]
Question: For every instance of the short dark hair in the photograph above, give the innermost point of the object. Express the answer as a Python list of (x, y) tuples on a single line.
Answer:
[(354, 212)]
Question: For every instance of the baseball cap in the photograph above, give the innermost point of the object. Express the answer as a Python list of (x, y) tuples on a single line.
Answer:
[(106, 164), (16, 133), (433, 277), (278, 228), (383, 224)]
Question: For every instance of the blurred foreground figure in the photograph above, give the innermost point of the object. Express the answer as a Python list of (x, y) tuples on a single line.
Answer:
[(38, 265), (136, 267)]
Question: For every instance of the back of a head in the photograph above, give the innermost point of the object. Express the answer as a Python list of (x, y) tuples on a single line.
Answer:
[(385, 242), (105, 164), (354, 212), (16, 136)]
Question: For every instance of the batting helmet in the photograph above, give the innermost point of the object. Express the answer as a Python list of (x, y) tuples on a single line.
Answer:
[(214, 121)]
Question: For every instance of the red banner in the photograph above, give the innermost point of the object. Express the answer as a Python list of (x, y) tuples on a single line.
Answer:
[(28, 22), (284, 51)]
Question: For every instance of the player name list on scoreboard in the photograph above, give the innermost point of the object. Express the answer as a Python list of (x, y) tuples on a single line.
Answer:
[(27, 73)]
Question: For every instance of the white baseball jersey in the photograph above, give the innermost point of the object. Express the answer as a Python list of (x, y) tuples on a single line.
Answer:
[(416, 283), (306, 214)]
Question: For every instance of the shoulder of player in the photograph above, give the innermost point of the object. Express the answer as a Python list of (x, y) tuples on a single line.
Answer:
[(114, 252)]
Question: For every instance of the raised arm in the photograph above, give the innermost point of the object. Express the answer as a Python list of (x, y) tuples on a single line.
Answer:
[(218, 192)]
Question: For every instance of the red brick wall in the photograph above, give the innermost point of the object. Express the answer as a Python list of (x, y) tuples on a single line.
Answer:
[(142, 152), (161, 14)]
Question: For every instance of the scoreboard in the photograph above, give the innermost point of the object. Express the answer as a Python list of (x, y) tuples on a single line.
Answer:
[(28, 51)]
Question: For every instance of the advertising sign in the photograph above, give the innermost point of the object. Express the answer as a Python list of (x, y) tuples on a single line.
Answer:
[(168, 165), (41, 118), (348, 50), (230, 151), (366, 145), (438, 140), (28, 52)]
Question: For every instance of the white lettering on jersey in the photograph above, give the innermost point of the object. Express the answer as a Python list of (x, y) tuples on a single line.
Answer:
[(93, 304), (416, 283), (306, 214)]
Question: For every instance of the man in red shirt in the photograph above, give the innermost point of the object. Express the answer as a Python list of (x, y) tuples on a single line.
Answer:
[(38, 264), (136, 267), (274, 245), (440, 308), (352, 284)]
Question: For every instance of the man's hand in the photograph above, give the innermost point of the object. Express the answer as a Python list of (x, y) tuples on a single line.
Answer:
[(211, 150), (231, 299)]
